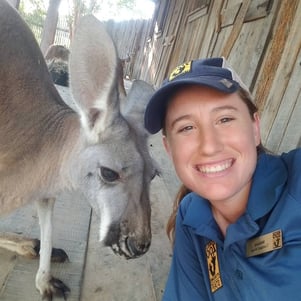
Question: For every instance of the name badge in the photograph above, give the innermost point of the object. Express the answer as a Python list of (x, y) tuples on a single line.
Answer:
[(265, 243), (213, 266)]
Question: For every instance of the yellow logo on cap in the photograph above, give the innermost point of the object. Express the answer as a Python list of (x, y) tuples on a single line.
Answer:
[(181, 69)]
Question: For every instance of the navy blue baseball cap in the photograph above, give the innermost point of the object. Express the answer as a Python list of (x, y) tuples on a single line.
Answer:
[(215, 73)]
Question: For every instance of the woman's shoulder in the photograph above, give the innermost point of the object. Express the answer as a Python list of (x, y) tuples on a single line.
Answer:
[(193, 208), (292, 161), (292, 157), (189, 199)]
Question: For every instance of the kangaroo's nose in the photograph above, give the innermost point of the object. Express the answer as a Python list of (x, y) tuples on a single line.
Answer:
[(137, 248)]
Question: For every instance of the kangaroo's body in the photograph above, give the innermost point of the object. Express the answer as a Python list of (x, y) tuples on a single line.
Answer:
[(46, 147)]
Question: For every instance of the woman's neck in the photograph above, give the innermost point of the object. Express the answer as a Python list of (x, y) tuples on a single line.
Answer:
[(229, 211)]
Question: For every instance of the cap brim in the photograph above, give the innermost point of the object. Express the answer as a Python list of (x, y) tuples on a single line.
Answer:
[(155, 111)]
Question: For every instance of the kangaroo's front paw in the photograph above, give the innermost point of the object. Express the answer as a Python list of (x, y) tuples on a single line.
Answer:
[(28, 247), (52, 287), (59, 255)]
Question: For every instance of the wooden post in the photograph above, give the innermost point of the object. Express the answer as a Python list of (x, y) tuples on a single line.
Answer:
[(15, 3), (286, 17), (236, 28)]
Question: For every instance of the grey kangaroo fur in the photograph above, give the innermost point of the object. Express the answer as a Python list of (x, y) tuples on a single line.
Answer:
[(46, 147)]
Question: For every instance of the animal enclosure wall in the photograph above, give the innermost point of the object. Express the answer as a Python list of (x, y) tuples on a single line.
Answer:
[(130, 38), (260, 38), (62, 36)]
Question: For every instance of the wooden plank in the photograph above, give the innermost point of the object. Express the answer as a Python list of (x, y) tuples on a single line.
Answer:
[(237, 26), (195, 29), (269, 69), (229, 14), (292, 135), (173, 27), (212, 30), (221, 41), (246, 60), (277, 81), (196, 14), (258, 9), (284, 133)]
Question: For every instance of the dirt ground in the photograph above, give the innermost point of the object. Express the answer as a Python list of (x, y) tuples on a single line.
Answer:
[(94, 273)]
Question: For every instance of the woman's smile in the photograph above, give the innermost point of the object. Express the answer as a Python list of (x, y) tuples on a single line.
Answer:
[(214, 168)]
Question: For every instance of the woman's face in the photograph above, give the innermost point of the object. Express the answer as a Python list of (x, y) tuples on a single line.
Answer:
[(212, 141)]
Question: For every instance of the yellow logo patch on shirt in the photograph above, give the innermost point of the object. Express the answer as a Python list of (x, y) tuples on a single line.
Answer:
[(181, 69), (264, 243), (213, 266)]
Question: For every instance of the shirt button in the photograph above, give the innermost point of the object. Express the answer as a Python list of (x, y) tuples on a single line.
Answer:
[(239, 274)]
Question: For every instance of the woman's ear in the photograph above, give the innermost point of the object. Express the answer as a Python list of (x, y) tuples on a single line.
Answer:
[(256, 125), (166, 145)]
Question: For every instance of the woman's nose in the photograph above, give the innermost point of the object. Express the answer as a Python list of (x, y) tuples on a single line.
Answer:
[(209, 141)]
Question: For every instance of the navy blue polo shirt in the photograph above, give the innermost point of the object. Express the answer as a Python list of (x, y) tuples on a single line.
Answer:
[(260, 256)]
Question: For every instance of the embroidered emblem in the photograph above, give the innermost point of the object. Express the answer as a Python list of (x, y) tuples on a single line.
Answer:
[(264, 243), (213, 266), (181, 69), (226, 83)]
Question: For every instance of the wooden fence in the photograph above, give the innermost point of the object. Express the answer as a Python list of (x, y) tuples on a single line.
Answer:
[(129, 37), (260, 38), (62, 36)]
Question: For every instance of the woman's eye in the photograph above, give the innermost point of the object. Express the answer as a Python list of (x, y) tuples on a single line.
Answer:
[(186, 129), (108, 175), (225, 119)]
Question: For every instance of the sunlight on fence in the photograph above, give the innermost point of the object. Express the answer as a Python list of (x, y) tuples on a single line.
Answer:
[(130, 38), (62, 36)]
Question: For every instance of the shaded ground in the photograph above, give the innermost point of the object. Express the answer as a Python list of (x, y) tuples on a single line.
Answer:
[(71, 229)]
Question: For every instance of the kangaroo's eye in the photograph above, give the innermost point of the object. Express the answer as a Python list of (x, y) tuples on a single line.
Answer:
[(156, 173), (108, 175)]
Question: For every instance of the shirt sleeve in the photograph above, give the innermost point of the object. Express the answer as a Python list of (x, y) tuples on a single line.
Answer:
[(293, 164), (185, 281)]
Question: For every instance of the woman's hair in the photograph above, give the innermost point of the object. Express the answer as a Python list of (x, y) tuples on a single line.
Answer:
[(170, 228), (171, 223)]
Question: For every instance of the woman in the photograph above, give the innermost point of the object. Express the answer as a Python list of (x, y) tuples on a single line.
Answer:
[(238, 229)]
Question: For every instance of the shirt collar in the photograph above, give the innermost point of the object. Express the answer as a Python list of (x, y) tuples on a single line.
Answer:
[(269, 178)]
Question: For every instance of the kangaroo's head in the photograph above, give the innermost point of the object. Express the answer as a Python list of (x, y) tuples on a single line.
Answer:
[(114, 169)]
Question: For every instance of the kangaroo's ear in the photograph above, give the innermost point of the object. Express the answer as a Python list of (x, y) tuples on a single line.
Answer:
[(133, 107), (93, 68)]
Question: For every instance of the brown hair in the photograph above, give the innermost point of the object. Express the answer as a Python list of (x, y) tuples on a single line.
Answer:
[(183, 191), (171, 223)]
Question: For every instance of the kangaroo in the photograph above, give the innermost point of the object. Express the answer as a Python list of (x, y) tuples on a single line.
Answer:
[(56, 58), (100, 148)]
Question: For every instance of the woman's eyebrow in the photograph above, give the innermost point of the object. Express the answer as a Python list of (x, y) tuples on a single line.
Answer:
[(216, 109), (186, 116), (225, 107)]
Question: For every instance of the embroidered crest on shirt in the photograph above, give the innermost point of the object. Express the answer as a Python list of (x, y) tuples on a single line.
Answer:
[(264, 243), (213, 266)]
